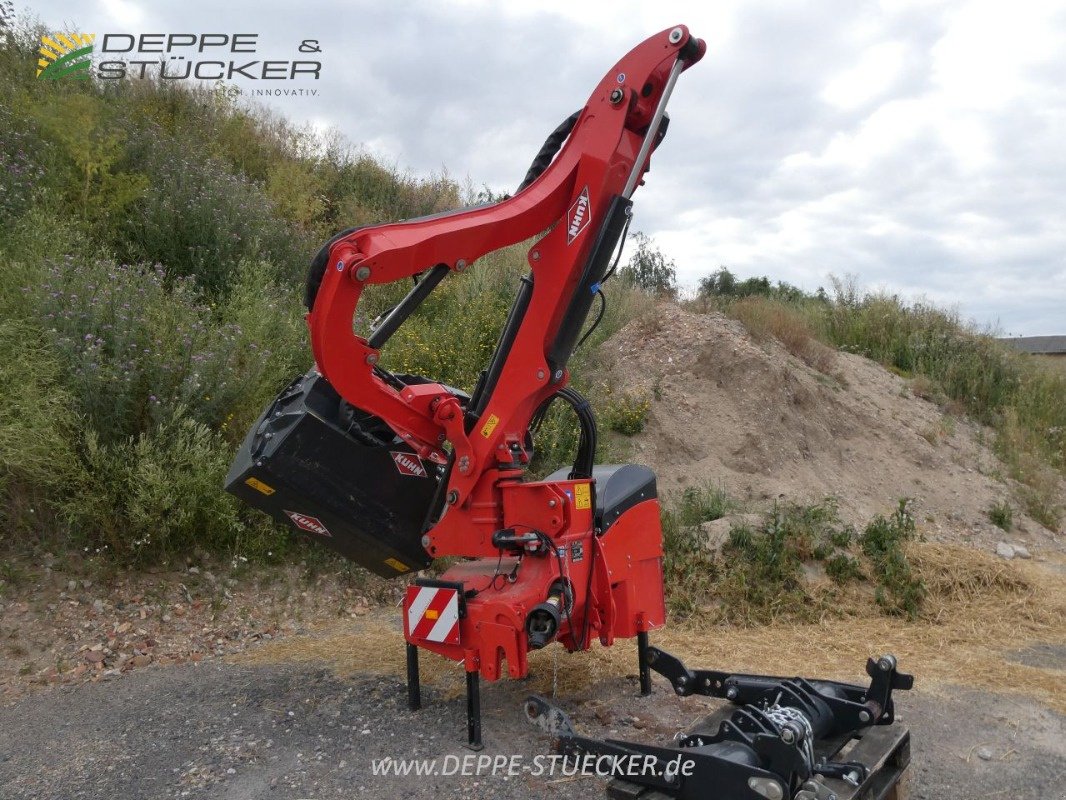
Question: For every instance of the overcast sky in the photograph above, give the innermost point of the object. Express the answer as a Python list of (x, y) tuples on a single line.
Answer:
[(919, 146)]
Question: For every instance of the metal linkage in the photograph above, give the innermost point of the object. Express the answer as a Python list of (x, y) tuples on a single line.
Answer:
[(851, 707), (778, 743)]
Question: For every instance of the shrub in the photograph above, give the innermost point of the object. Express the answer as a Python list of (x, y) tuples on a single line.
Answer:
[(136, 346), (149, 497), (724, 284), (690, 570), (1040, 486), (900, 590), (21, 173), (843, 569), (626, 414), (1001, 515), (38, 426), (649, 269), (198, 219)]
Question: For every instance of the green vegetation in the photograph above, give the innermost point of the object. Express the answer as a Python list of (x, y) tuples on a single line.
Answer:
[(1001, 515), (690, 569), (153, 244), (649, 269), (899, 590), (626, 414), (759, 575)]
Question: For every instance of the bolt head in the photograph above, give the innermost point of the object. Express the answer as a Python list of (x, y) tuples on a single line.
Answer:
[(536, 255), (362, 273), (885, 663), (675, 35), (616, 96), (425, 541), (460, 265), (732, 693), (371, 358), (864, 716), (340, 266)]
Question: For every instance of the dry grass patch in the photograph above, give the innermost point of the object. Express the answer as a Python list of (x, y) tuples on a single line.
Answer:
[(766, 318), (980, 610)]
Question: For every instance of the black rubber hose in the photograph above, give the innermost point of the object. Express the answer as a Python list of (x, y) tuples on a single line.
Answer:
[(585, 458), (552, 145), (317, 269)]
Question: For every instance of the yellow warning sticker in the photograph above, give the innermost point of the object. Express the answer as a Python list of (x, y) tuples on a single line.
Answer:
[(259, 486), (490, 425), (582, 495), (399, 566)]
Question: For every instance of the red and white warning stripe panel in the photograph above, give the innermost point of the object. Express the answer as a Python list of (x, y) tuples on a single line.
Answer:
[(432, 614)]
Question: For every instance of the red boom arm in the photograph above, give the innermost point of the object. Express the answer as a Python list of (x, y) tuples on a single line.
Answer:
[(597, 163)]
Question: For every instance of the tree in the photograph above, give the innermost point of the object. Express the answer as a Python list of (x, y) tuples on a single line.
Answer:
[(649, 269), (722, 283)]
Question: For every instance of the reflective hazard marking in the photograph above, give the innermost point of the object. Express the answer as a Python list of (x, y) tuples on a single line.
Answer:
[(432, 614), (259, 486)]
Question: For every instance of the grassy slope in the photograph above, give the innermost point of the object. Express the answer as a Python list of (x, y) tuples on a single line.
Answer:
[(153, 242)]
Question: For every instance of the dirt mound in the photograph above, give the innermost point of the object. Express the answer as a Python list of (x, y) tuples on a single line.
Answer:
[(761, 423)]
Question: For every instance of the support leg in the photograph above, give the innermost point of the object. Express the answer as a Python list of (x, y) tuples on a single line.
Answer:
[(644, 670), (414, 688), (473, 711)]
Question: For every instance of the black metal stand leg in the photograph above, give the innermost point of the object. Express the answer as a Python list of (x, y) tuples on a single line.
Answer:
[(414, 688), (642, 657), (473, 711)]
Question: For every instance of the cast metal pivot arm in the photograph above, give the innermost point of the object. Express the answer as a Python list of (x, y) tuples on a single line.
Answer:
[(580, 196)]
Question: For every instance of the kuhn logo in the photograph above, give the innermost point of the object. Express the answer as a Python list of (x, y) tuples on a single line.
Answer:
[(578, 216), (408, 464), (306, 523)]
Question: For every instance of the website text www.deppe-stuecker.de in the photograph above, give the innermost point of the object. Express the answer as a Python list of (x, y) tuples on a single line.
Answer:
[(478, 765)]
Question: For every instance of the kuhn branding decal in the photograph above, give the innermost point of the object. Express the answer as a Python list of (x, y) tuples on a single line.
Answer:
[(408, 464), (307, 523), (578, 218)]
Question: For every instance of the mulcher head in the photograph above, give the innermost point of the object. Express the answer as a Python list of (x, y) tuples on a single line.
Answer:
[(330, 471)]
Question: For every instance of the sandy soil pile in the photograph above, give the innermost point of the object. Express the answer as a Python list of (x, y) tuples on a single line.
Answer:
[(763, 424)]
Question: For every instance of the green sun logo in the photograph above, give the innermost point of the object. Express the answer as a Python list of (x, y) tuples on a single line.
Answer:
[(65, 55)]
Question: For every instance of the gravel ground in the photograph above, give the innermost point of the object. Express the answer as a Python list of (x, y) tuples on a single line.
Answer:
[(288, 731)]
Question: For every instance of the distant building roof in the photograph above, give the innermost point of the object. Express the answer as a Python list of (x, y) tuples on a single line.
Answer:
[(1043, 345)]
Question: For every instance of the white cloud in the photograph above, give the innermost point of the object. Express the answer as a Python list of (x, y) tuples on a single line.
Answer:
[(873, 75)]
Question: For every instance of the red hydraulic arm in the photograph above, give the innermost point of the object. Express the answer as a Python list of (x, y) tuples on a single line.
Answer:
[(599, 166), (543, 561)]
